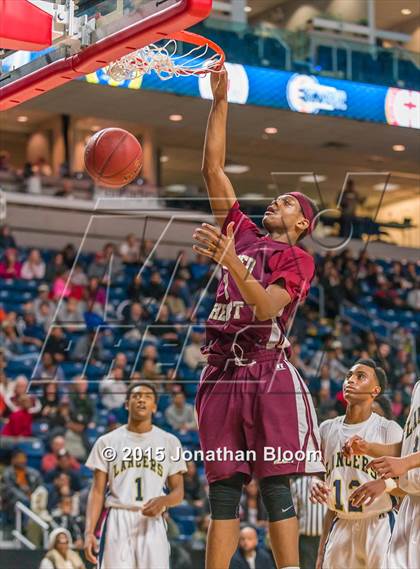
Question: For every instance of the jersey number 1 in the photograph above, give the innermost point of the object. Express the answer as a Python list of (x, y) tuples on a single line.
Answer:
[(139, 496)]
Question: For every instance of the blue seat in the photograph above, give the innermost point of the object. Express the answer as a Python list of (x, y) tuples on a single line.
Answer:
[(187, 526), (182, 511)]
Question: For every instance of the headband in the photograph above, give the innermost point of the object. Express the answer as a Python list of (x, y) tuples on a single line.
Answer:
[(306, 208)]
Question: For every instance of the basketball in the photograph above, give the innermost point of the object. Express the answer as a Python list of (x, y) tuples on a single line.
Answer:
[(113, 157)]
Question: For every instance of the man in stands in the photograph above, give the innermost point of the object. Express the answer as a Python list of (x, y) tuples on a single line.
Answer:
[(50, 460), (249, 555), (19, 481)]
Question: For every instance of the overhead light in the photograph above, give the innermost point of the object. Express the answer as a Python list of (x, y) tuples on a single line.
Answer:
[(175, 118), (247, 9), (311, 178), (253, 196), (271, 130), (398, 148), (177, 188), (95, 128), (164, 159), (272, 187), (22, 118), (236, 168), (406, 12), (387, 187)]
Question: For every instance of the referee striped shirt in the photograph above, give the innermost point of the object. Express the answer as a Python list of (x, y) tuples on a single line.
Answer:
[(310, 516)]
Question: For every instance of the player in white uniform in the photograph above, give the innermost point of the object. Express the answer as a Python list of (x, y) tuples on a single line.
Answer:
[(354, 536), (404, 547), (132, 466)]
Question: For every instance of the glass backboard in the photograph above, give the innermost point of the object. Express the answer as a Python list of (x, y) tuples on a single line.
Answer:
[(88, 35)]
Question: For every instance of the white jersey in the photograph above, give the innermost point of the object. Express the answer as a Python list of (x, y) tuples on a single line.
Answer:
[(137, 465), (343, 474), (410, 482)]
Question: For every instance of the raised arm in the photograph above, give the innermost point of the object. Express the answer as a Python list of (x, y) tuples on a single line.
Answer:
[(220, 190)]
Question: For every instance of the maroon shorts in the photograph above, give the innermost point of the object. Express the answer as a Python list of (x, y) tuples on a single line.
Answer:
[(258, 412)]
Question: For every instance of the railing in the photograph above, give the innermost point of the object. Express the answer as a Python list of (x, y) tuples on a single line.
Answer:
[(20, 511)]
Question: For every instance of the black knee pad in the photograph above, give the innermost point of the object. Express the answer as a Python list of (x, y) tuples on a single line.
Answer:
[(224, 497), (277, 498)]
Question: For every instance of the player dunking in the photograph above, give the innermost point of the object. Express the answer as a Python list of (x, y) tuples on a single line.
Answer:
[(404, 547), (250, 397), (354, 535), (132, 465)]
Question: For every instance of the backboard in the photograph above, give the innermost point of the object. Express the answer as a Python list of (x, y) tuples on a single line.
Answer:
[(88, 35)]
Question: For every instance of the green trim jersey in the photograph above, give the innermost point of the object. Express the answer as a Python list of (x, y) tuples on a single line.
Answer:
[(410, 482), (344, 475), (138, 465)]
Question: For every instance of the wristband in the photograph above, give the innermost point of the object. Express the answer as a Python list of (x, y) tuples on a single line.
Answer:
[(390, 485)]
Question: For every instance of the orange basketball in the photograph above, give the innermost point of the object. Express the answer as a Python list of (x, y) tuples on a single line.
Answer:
[(113, 157)]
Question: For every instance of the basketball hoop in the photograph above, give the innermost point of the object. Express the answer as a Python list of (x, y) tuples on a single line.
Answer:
[(167, 61)]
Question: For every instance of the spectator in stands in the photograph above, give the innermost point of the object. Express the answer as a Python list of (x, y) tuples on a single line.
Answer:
[(163, 328), (150, 370), (70, 312), (62, 517), (57, 344), (48, 369), (95, 295), (19, 481), (64, 466), (60, 555), (146, 255), (180, 414), (137, 289), (75, 437), (199, 268), (382, 406), (252, 509), (350, 199), (5, 165), (135, 315), (130, 250), (31, 331), (183, 270), (105, 261), (199, 537), (155, 288), (78, 281), (193, 487), (113, 390), (61, 287), (297, 360), (192, 353), (413, 298), (69, 255), (32, 183), (10, 267), (20, 421), (34, 266), (80, 403), (397, 405), (55, 267), (175, 302), (58, 487), (59, 418), (89, 344), (43, 296), (7, 241), (50, 460), (249, 554), (66, 190), (121, 362), (46, 315), (42, 167), (17, 390), (349, 339)]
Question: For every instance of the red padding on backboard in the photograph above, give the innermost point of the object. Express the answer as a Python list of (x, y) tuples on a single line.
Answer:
[(24, 26)]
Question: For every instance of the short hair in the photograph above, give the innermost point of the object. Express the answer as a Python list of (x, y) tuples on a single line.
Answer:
[(385, 404), (380, 374), (144, 384), (315, 211)]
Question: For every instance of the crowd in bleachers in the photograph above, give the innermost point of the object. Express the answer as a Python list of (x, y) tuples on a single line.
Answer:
[(108, 318)]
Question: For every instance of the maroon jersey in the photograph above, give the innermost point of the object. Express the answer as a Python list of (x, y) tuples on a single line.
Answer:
[(231, 328)]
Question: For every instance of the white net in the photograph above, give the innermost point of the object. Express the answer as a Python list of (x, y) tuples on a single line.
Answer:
[(166, 61)]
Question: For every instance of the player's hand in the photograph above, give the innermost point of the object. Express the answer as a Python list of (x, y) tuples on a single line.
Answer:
[(220, 248), (389, 466), (366, 494), (319, 492), (154, 507), (355, 445), (91, 548), (219, 84)]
